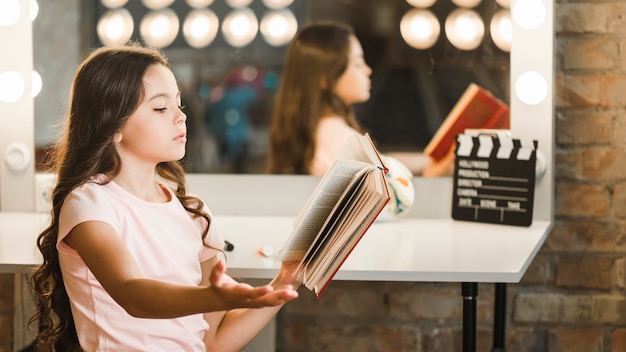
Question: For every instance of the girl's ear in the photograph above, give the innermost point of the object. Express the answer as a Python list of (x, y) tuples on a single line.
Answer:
[(117, 137)]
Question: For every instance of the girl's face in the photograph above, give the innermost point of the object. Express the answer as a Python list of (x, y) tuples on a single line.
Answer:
[(354, 84), (156, 132)]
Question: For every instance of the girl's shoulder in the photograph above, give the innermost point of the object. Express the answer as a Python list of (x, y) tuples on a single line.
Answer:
[(334, 123), (95, 184), (101, 189), (334, 126), (333, 119)]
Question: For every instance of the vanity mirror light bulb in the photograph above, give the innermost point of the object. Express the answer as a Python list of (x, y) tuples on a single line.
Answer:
[(34, 9), (12, 86), (115, 27), (113, 4), (504, 3), (157, 4), (10, 12), (466, 3), (159, 28), (238, 3), (278, 27), (531, 88), (200, 27), (420, 28), (421, 3), (465, 29), (501, 30), (240, 27), (198, 4), (277, 4), (36, 83), (529, 14)]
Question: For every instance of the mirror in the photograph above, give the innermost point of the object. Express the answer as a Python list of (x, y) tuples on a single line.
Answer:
[(533, 30), (412, 89)]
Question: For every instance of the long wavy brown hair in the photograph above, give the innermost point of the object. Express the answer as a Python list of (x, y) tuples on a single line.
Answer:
[(315, 59), (106, 90)]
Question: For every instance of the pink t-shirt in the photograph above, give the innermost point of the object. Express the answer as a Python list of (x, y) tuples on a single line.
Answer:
[(331, 135), (166, 243)]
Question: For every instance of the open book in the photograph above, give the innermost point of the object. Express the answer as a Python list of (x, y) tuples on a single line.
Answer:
[(477, 109), (342, 207)]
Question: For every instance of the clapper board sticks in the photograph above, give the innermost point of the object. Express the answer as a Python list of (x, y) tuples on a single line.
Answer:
[(494, 178)]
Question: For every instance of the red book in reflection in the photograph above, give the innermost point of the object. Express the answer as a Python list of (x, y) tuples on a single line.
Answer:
[(476, 109)]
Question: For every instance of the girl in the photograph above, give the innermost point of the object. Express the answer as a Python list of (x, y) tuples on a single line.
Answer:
[(130, 258), (324, 75)]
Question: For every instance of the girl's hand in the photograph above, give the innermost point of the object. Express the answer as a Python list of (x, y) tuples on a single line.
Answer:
[(443, 167), (286, 275), (240, 295)]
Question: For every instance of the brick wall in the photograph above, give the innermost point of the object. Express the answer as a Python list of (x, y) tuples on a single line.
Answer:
[(6, 311), (573, 295)]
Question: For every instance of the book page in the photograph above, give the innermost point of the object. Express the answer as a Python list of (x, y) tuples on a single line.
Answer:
[(361, 147), (318, 207), (346, 204), (337, 238)]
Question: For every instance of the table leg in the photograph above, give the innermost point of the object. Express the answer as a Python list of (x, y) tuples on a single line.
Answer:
[(469, 290), (499, 318)]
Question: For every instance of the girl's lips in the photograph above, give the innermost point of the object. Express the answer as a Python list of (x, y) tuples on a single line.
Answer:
[(181, 137)]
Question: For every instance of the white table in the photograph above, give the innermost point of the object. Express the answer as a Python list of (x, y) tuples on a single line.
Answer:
[(417, 250)]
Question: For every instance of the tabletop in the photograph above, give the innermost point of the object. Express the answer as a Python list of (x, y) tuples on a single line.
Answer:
[(430, 250)]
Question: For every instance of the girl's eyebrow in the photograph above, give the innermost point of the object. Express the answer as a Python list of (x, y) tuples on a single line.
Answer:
[(162, 95)]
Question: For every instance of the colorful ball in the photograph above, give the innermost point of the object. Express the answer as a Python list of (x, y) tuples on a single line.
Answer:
[(401, 189)]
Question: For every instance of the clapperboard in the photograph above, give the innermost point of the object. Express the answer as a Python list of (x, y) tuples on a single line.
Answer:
[(494, 178)]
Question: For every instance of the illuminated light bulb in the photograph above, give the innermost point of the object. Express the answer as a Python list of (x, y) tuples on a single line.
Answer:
[(36, 84), (34, 9), (277, 4), (115, 27), (240, 27), (113, 4), (466, 3), (465, 29), (421, 3), (10, 12), (238, 3), (159, 28), (529, 14), (420, 28), (198, 4), (200, 28), (157, 4), (501, 30), (278, 27), (531, 88), (12, 86), (504, 3)]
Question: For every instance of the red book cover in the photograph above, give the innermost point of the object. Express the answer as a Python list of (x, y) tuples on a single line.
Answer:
[(476, 109)]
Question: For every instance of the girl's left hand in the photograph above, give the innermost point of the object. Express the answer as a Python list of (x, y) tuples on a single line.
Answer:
[(286, 275), (231, 294)]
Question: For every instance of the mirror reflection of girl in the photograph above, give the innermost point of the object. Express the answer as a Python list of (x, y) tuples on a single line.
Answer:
[(130, 259), (323, 76)]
